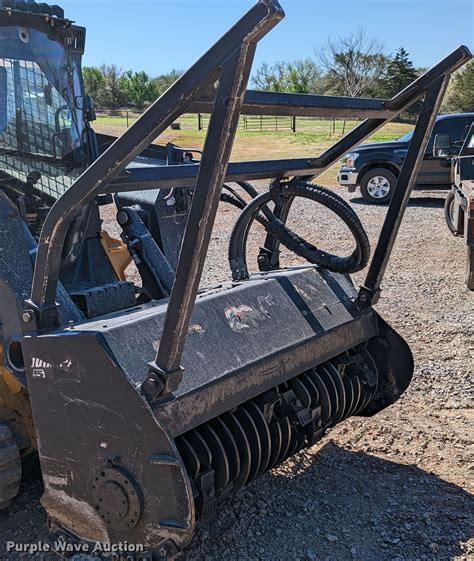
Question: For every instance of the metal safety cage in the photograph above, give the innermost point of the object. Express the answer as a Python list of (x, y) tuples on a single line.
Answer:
[(224, 70)]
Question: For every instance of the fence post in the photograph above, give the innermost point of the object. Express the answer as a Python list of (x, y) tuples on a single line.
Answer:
[(293, 123), (199, 122)]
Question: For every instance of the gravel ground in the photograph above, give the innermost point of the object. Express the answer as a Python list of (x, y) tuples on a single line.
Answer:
[(392, 487)]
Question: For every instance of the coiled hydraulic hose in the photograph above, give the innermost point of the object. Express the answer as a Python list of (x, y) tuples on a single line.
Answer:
[(258, 210), (233, 198)]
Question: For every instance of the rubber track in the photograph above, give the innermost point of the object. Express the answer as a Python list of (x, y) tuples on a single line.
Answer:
[(10, 466)]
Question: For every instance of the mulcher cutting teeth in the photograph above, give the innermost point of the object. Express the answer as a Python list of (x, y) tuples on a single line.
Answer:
[(228, 452)]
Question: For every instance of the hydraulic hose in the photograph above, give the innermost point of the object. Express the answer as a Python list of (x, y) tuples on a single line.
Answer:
[(236, 199), (258, 210)]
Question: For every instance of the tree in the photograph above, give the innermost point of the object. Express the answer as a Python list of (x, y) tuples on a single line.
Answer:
[(139, 87), (93, 82), (164, 81), (300, 76), (112, 94), (271, 78), (303, 76), (353, 64), (461, 90), (399, 73)]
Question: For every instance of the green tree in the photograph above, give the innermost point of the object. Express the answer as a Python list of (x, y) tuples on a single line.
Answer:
[(353, 65), (111, 94), (303, 76), (461, 90), (93, 82), (399, 73), (300, 76), (139, 88), (164, 81), (271, 77)]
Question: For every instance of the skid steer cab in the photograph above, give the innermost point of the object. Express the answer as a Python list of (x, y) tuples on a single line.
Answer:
[(459, 204), (150, 403)]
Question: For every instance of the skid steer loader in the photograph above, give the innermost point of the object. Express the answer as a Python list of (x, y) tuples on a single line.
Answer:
[(150, 405)]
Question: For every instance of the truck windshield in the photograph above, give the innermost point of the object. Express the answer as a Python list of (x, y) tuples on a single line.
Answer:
[(41, 128), (470, 143), (406, 137)]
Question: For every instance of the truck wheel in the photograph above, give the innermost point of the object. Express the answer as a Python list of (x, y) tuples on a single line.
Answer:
[(10, 466), (470, 267), (449, 213), (377, 185)]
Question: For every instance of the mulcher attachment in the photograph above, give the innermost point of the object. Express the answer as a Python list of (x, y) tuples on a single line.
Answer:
[(230, 451), (174, 461), (149, 411)]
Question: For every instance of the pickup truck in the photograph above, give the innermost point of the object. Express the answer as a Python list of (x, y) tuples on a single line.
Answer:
[(375, 167)]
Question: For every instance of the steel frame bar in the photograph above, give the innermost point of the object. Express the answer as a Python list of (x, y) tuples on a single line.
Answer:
[(254, 25), (400, 101), (216, 155), (269, 255), (406, 181), (304, 105), (303, 168), (104, 174)]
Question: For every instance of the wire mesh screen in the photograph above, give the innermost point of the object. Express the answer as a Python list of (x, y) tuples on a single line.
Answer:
[(38, 131)]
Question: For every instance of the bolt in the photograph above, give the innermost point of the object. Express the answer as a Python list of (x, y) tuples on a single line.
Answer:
[(27, 316), (261, 258), (122, 218), (162, 552), (155, 387), (364, 298)]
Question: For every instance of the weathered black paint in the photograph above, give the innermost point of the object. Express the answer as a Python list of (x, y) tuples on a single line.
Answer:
[(100, 434), (243, 340)]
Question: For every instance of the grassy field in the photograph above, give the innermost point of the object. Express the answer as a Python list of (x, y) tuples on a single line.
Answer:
[(312, 138)]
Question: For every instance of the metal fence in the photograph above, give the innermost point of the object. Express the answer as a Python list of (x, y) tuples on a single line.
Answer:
[(248, 123), (256, 123)]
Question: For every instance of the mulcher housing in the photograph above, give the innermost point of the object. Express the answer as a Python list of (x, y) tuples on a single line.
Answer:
[(150, 411)]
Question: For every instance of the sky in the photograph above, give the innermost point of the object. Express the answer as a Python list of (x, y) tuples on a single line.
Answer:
[(159, 35)]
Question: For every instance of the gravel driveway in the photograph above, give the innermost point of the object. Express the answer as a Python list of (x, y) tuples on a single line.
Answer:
[(395, 486)]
